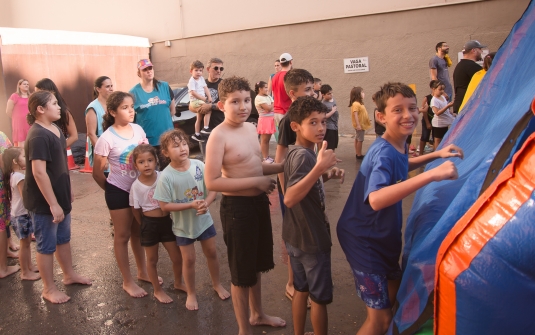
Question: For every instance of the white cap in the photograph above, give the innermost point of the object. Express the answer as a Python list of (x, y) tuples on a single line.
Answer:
[(285, 57)]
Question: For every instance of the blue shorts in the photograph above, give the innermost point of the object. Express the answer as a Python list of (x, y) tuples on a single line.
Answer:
[(49, 234), (373, 288), (312, 273), (208, 233), (22, 225)]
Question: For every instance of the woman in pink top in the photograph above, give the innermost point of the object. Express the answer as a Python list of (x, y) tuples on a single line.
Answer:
[(17, 109)]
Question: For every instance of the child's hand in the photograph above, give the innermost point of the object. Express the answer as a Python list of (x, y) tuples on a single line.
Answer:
[(57, 213), (267, 185), (336, 173), (197, 204), (446, 170), (326, 158), (449, 104), (451, 151)]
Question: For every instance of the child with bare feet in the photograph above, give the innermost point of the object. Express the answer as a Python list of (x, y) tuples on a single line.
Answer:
[(14, 165), (156, 224), (47, 194), (181, 190), (234, 167), (115, 147), (4, 215)]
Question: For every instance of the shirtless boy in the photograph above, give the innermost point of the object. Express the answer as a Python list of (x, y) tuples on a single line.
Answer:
[(234, 167)]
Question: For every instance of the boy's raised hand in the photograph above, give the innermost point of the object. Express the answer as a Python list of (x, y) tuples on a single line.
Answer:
[(444, 171), (326, 158), (267, 185), (451, 151)]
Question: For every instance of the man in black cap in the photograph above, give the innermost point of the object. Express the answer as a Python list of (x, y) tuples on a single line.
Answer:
[(465, 70)]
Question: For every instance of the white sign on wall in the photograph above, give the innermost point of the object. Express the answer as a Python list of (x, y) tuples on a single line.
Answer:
[(359, 64)]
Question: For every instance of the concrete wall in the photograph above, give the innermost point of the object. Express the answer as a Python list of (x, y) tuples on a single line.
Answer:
[(399, 46)]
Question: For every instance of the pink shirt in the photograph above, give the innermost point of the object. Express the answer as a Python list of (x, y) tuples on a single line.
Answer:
[(119, 152)]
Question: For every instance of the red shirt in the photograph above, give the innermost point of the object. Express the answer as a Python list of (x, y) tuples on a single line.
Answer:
[(282, 101)]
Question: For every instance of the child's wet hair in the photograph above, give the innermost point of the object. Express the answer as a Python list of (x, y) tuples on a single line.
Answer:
[(143, 148), (390, 90), (39, 98), (196, 65), (296, 77), (112, 104), (174, 136), (302, 107), (8, 157), (232, 84), (325, 88), (259, 85)]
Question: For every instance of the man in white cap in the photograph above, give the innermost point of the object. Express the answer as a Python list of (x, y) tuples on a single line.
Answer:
[(464, 71), (282, 101)]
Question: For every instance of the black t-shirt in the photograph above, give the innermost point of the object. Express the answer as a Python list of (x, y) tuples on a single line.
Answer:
[(42, 144), (305, 225), (287, 136), (461, 78), (430, 112), (217, 116)]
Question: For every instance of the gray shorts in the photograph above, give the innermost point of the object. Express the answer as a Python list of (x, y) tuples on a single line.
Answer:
[(359, 135)]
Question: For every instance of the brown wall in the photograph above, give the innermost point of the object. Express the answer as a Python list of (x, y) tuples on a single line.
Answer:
[(399, 46), (73, 68)]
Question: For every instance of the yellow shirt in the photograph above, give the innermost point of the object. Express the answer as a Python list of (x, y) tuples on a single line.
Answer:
[(474, 83), (362, 113)]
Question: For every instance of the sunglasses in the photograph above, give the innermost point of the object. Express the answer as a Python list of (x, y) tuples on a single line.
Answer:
[(217, 68)]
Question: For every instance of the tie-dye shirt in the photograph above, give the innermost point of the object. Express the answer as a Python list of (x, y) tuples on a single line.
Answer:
[(119, 152)]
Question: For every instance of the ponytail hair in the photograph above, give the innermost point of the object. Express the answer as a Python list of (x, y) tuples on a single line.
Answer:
[(98, 84), (39, 98), (112, 104), (8, 156), (259, 85)]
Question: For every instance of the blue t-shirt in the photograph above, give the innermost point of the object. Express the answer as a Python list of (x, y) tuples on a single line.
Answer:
[(152, 111), (371, 240)]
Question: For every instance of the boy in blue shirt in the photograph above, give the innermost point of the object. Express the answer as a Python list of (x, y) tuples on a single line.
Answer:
[(369, 229), (306, 229)]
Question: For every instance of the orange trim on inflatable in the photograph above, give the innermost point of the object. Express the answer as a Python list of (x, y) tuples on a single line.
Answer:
[(492, 210), (533, 106)]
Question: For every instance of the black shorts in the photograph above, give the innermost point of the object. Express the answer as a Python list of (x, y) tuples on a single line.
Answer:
[(247, 233), (155, 230), (115, 197), (331, 136), (440, 132), (426, 133)]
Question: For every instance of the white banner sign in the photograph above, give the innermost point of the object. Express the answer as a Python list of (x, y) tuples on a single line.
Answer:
[(352, 65)]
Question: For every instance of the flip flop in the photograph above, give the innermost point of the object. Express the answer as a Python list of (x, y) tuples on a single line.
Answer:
[(291, 297)]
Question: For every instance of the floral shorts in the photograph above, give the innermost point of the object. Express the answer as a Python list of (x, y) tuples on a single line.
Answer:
[(373, 288)]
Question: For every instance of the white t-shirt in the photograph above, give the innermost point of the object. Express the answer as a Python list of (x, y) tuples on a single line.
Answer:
[(141, 195), (183, 187), (197, 86), (445, 119), (260, 99), (119, 152), (17, 207)]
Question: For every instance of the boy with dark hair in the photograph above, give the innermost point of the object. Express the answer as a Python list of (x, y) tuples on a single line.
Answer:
[(331, 135), (236, 171), (369, 229), (306, 229), (317, 88), (199, 95)]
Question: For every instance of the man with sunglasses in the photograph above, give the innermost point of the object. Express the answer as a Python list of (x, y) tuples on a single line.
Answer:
[(215, 70)]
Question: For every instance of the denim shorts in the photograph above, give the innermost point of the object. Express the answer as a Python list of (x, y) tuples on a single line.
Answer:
[(22, 225), (49, 234), (208, 233), (373, 288), (312, 273)]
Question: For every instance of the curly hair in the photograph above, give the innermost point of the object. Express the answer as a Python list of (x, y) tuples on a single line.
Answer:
[(196, 65), (296, 77), (390, 90), (301, 108), (40, 98), (174, 136), (143, 148), (112, 104), (232, 84)]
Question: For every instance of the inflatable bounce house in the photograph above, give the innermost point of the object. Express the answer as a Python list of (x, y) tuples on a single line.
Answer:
[(469, 255)]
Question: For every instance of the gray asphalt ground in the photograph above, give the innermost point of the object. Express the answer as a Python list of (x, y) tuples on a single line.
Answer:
[(104, 308)]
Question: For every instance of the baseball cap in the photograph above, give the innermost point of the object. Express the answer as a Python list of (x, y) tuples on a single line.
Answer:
[(285, 57), (473, 44), (144, 63)]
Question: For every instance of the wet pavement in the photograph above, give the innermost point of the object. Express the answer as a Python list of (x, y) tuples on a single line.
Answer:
[(104, 308)]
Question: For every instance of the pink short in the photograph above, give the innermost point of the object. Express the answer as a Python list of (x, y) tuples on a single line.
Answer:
[(266, 125)]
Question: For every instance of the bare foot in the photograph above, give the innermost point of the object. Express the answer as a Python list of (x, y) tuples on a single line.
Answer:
[(146, 278), (9, 271), (223, 294), (55, 296), (191, 303), (30, 275), (162, 297), (34, 268), (134, 290), (180, 287), (12, 254), (267, 320), (76, 279), (13, 246)]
